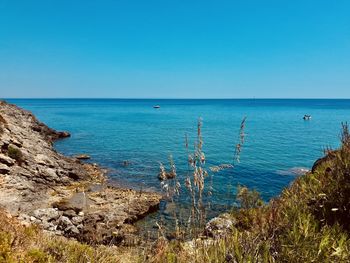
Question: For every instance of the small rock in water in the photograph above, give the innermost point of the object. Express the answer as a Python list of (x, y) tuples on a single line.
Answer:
[(166, 175), (82, 157), (126, 163)]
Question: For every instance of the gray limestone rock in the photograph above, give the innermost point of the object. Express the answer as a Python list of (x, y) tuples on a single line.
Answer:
[(4, 169), (6, 160)]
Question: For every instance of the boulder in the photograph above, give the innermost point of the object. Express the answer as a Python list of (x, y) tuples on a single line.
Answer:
[(16, 142), (76, 203), (62, 135), (43, 160), (166, 175), (69, 213), (50, 174), (47, 132), (64, 222), (4, 169), (47, 214), (219, 226), (49, 226), (72, 230), (82, 157), (77, 220), (6, 160)]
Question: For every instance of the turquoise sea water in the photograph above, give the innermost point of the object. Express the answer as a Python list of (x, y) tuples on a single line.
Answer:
[(277, 139)]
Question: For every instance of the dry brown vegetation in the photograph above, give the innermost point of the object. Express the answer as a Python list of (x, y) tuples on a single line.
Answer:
[(28, 244)]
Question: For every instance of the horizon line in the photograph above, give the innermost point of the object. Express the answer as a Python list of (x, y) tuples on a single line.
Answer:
[(135, 98)]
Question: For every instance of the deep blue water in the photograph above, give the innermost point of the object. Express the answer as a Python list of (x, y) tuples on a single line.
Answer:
[(277, 138)]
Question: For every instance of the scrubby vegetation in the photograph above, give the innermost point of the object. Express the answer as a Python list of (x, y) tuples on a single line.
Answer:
[(15, 153), (30, 245), (308, 222)]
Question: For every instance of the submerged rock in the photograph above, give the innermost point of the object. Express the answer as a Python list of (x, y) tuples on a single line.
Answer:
[(166, 175), (126, 163)]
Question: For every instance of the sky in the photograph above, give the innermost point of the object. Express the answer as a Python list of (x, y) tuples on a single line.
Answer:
[(175, 49)]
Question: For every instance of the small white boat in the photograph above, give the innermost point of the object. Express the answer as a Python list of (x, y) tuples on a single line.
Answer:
[(307, 117), (156, 106)]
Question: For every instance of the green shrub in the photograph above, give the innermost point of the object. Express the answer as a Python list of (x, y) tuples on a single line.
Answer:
[(15, 153), (248, 198)]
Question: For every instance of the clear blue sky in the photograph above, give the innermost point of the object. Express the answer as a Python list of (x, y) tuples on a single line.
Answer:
[(175, 49)]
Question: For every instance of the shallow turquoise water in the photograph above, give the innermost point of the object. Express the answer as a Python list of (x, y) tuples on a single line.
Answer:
[(277, 138)]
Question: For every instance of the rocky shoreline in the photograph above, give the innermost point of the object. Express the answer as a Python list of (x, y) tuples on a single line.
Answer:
[(62, 195)]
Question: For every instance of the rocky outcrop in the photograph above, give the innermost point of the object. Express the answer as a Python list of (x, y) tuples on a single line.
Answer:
[(220, 226), (62, 195)]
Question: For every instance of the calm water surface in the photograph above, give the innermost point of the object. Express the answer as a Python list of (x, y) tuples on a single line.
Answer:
[(277, 142)]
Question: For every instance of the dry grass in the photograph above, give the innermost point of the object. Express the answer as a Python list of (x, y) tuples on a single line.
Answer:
[(29, 244), (198, 182)]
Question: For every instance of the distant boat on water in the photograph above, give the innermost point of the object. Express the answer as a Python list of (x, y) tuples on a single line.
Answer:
[(156, 106), (307, 117)]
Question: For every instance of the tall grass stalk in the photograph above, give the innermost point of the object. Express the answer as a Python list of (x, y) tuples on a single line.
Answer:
[(198, 182), (239, 145)]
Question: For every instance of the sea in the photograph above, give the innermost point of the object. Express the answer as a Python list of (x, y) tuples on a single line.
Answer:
[(130, 138)]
